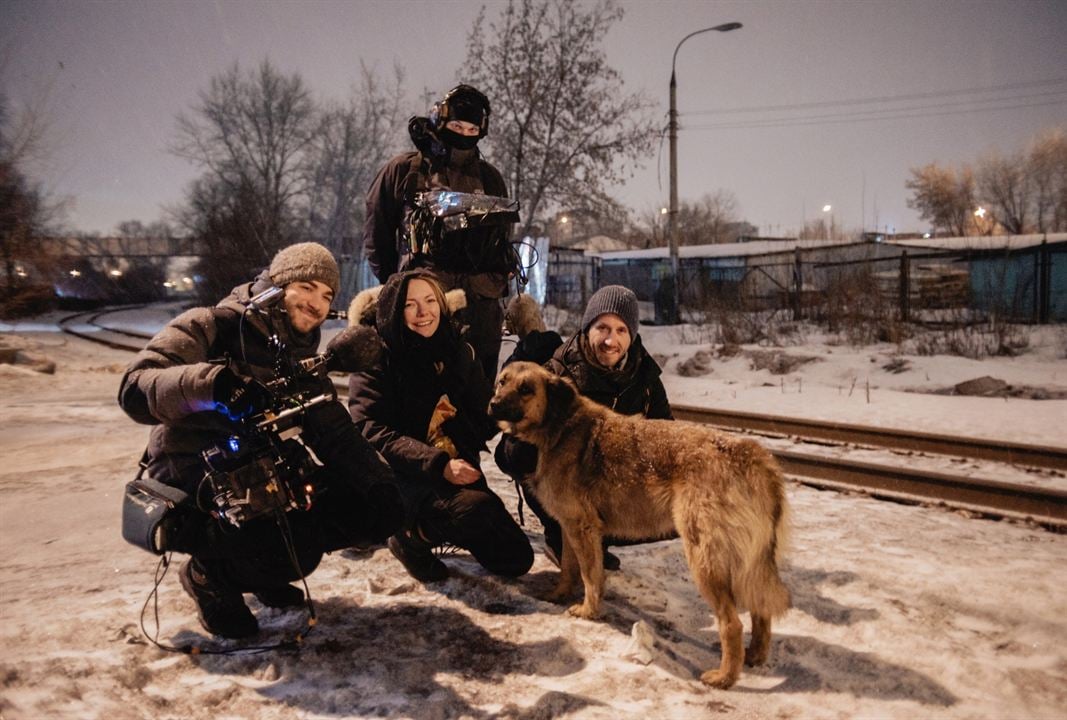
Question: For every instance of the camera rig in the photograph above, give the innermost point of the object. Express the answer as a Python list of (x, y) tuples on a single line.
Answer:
[(266, 468)]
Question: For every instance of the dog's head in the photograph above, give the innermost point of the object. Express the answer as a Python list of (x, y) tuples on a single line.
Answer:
[(529, 398)]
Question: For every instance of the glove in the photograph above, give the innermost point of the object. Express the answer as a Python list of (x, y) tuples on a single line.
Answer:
[(237, 397)]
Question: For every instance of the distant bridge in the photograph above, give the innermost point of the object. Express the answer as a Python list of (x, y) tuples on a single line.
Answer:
[(110, 247)]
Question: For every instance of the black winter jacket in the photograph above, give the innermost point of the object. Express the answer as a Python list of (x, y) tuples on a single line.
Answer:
[(389, 203), (635, 388), (392, 404)]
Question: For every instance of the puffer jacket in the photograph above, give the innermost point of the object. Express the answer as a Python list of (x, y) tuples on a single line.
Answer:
[(393, 404), (170, 384)]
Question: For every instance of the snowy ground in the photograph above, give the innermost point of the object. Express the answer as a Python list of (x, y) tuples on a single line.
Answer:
[(900, 611)]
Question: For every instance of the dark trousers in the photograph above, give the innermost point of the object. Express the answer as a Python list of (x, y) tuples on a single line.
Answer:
[(485, 319), (356, 502), (553, 532), (474, 518)]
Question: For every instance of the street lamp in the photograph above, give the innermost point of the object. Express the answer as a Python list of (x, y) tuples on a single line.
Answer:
[(672, 217)]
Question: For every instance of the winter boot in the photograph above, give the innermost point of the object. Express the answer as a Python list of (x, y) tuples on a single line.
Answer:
[(222, 612), (283, 596), (416, 555)]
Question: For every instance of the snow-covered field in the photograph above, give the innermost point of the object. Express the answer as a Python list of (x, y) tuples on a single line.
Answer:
[(900, 611)]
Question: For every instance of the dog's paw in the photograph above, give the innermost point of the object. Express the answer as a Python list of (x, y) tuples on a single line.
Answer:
[(556, 596), (755, 657), (581, 610), (718, 679)]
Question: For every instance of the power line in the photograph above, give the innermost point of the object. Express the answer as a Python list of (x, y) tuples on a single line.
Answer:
[(882, 99), (843, 118)]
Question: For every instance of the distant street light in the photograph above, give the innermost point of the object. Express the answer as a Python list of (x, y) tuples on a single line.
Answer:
[(672, 217), (830, 230)]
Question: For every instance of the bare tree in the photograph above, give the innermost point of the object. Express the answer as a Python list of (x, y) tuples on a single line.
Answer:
[(943, 196), (27, 212), (250, 133), (223, 218), (563, 130), (1047, 165), (354, 140), (1004, 190)]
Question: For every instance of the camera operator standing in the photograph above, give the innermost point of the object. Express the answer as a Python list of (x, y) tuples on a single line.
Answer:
[(202, 382), (396, 235)]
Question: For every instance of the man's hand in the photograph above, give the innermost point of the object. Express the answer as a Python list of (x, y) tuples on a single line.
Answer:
[(237, 397), (461, 472)]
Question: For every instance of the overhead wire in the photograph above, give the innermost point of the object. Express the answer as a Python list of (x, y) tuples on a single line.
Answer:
[(883, 98), (887, 114), (795, 114)]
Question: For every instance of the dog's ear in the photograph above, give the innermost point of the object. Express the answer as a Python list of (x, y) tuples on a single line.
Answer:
[(560, 394)]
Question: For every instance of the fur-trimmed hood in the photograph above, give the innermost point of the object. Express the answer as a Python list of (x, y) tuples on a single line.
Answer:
[(523, 316), (363, 309)]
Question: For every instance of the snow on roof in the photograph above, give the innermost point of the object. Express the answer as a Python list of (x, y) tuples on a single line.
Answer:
[(599, 243), (719, 250), (982, 242)]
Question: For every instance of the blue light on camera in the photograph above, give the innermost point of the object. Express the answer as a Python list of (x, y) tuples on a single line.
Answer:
[(235, 443)]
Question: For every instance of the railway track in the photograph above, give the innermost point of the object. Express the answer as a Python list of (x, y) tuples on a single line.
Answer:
[(996, 451), (1046, 506), (84, 325), (991, 498)]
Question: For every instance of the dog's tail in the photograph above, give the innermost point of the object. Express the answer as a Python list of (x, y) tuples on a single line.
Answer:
[(760, 587)]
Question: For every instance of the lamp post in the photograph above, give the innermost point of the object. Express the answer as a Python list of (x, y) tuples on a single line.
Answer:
[(672, 216)]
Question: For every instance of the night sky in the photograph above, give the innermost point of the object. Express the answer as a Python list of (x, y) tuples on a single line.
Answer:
[(954, 80)]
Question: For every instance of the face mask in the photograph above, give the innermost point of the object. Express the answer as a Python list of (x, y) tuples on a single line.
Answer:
[(455, 140)]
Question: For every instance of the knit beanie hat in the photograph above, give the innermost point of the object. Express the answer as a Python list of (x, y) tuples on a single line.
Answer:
[(305, 261), (613, 299)]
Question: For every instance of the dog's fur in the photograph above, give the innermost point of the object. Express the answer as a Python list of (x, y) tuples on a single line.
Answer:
[(601, 473)]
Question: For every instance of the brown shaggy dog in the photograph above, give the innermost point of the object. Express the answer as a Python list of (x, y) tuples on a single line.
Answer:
[(600, 473)]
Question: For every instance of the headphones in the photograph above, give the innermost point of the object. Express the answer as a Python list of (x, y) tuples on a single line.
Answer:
[(441, 112)]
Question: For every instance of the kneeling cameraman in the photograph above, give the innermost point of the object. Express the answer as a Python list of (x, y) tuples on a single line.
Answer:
[(205, 381)]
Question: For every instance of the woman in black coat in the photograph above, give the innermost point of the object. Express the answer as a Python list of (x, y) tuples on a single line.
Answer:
[(424, 407)]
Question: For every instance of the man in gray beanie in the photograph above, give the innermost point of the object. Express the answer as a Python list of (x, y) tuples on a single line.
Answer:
[(210, 382), (607, 362), (308, 274), (610, 324)]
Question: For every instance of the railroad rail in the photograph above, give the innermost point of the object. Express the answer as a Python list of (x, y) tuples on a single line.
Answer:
[(977, 449), (1046, 507), (84, 325)]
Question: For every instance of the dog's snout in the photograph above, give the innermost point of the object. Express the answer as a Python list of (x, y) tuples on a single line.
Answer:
[(502, 409)]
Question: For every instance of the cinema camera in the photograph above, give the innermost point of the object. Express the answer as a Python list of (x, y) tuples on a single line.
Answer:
[(443, 211), (267, 468)]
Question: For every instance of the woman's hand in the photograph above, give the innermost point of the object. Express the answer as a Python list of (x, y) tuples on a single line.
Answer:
[(461, 472)]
